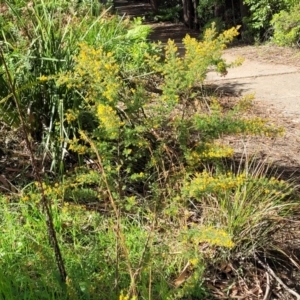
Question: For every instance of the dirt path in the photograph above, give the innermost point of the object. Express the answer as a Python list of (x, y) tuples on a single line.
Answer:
[(162, 31), (275, 84)]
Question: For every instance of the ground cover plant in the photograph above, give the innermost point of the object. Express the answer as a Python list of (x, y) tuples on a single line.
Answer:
[(138, 202)]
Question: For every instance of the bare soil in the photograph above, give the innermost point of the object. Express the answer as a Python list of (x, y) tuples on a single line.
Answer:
[(268, 53)]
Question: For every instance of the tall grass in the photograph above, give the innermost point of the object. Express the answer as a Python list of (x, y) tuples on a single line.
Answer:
[(252, 210), (163, 248), (39, 41)]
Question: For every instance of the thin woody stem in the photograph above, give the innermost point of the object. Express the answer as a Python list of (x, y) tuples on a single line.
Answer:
[(45, 204)]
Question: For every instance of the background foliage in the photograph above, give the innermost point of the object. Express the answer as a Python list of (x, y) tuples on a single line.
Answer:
[(286, 26), (260, 18)]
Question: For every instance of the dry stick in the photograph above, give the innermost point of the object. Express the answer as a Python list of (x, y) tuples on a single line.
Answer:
[(44, 201), (267, 267), (137, 272), (132, 289), (267, 292), (150, 285), (117, 265)]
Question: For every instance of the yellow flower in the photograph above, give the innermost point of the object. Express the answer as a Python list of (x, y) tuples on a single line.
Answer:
[(194, 261), (43, 78), (123, 297), (109, 119), (25, 198)]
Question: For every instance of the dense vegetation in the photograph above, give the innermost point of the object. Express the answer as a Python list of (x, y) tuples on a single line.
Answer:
[(261, 19), (131, 196)]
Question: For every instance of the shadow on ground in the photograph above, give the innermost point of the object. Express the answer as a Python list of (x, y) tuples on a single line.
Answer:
[(162, 31)]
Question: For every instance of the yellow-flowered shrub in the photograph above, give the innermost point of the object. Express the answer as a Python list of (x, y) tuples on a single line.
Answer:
[(149, 139), (150, 152), (138, 130), (96, 74), (205, 182)]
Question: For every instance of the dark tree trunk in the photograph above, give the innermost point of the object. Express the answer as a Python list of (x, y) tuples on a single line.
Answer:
[(154, 5), (219, 10), (196, 19), (187, 12), (244, 9)]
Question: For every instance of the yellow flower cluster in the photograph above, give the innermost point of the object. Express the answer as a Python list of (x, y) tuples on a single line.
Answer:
[(246, 102), (208, 151), (50, 191), (213, 236), (101, 70), (199, 55), (207, 183), (53, 192), (84, 177), (25, 198), (123, 297), (181, 73), (75, 146), (170, 50), (274, 186), (70, 116), (126, 297), (194, 261), (216, 151), (260, 126), (97, 72), (109, 120), (43, 78), (228, 35)]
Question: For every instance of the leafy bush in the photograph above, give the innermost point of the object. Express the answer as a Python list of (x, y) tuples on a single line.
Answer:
[(261, 13), (286, 26), (135, 134)]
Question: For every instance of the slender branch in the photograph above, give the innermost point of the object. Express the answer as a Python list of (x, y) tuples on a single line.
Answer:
[(44, 200), (272, 273), (132, 289), (267, 292)]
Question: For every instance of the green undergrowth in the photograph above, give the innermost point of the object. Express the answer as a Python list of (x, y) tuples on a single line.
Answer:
[(90, 248), (239, 212), (137, 198)]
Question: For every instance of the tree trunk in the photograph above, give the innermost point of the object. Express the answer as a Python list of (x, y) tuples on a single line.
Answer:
[(154, 5), (187, 14), (195, 14), (243, 9)]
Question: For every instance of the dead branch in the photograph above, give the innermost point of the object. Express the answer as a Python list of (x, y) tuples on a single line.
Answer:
[(272, 273)]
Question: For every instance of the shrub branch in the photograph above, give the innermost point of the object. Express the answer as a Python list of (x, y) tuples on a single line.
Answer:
[(36, 172)]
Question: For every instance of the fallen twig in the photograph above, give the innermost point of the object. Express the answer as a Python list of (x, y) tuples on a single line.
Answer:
[(272, 273), (267, 292)]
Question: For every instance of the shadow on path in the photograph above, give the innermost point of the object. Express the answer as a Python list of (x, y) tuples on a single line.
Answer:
[(162, 31), (132, 9)]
